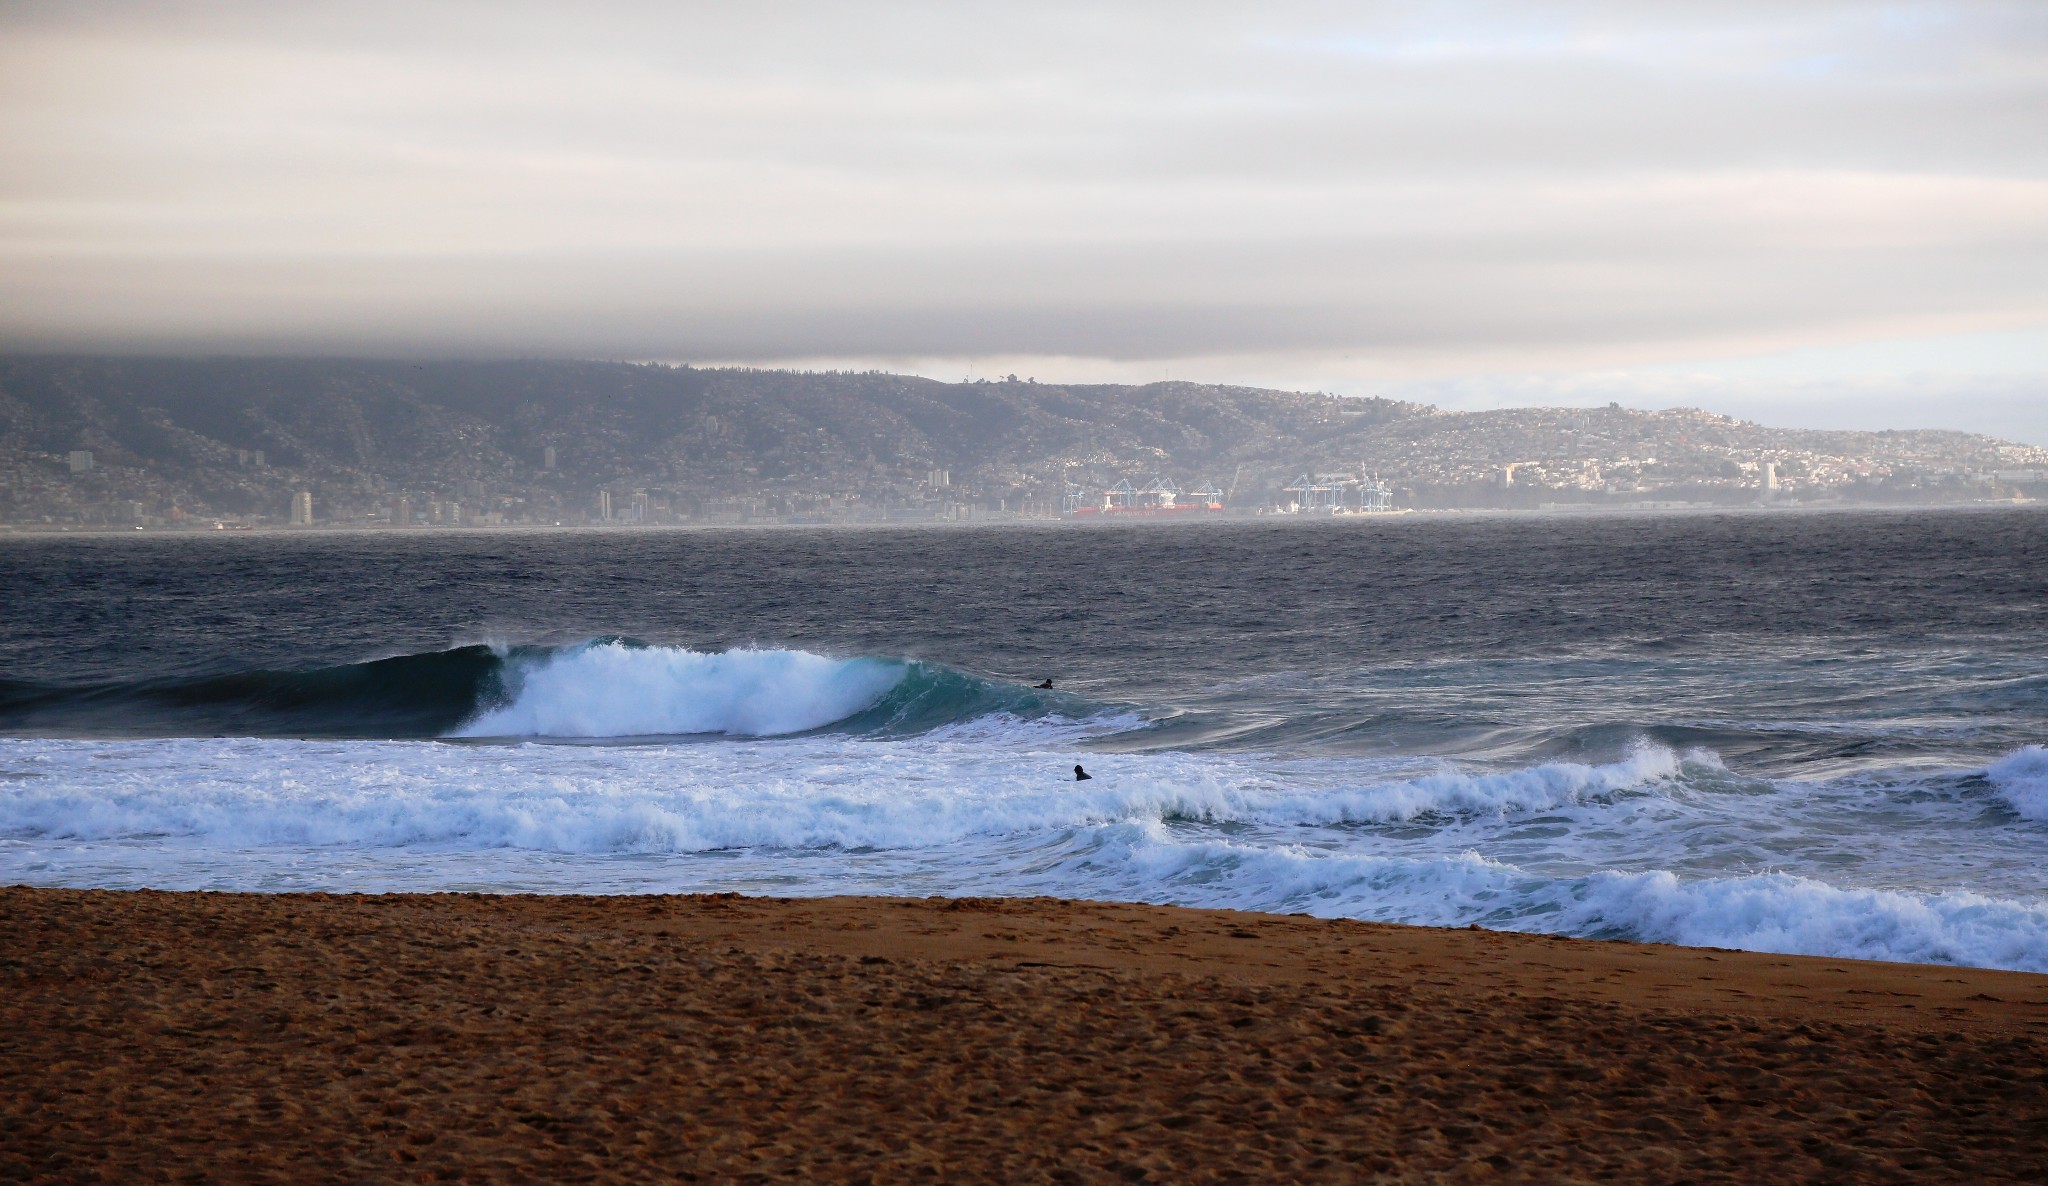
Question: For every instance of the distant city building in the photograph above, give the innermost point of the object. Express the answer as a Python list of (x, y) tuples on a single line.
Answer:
[(1770, 472), (643, 507), (302, 509), (547, 457), (81, 461), (604, 506), (242, 458), (940, 479), (401, 513), (257, 458)]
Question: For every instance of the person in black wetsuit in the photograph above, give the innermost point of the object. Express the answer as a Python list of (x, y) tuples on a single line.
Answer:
[(1081, 775), (1046, 686)]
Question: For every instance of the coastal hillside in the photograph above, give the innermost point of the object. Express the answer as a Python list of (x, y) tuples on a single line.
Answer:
[(112, 441)]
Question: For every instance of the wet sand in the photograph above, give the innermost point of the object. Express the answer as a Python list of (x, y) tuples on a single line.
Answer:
[(150, 1037)]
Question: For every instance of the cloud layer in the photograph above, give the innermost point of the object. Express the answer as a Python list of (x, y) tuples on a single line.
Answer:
[(1481, 186)]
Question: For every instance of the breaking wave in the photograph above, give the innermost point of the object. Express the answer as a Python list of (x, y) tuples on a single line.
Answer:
[(2021, 779), (604, 688), (614, 690), (1775, 912)]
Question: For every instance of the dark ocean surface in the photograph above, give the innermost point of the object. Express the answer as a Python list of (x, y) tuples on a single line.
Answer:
[(1781, 731)]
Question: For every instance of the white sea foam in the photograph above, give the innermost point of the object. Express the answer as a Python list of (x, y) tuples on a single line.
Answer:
[(1451, 791), (2021, 778), (831, 792), (1805, 916), (985, 808), (1763, 912), (613, 690)]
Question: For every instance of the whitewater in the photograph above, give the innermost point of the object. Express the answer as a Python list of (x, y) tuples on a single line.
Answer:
[(1854, 797), (980, 805)]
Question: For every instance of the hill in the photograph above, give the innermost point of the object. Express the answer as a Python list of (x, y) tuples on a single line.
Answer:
[(186, 439)]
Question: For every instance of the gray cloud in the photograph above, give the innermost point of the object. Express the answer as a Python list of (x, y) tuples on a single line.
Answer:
[(1589, 184)]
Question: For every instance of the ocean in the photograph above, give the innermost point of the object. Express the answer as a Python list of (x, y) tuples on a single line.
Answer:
[(1805, 733)]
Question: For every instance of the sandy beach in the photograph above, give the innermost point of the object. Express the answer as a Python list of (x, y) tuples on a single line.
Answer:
[(253, 1038)]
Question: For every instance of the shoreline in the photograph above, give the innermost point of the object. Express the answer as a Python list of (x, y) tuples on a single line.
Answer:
[(1399, 514), (246, 1037)]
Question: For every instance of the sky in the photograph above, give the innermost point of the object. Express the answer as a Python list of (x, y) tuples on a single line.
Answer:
[(1809, 214)]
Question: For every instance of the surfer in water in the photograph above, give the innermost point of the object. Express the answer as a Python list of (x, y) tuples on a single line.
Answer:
[(1045, 686), (1081, 775)]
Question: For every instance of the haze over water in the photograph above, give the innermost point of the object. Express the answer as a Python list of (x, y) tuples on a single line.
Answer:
[(1811, 733)]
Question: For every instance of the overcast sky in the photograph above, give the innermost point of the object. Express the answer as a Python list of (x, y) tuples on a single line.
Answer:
[(1805, 213)]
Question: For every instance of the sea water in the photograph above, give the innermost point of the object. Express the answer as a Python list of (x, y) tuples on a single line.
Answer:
[(1811, 733)]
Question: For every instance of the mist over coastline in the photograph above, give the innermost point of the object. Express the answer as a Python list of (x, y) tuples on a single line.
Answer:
[(1827, 214)]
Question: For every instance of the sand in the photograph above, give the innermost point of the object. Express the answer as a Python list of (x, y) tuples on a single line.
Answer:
[(248, 1038)]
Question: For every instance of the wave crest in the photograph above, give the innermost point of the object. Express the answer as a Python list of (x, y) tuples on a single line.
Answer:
[(613, 689), (2021, 779), (605, 688), (1775, 912)]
